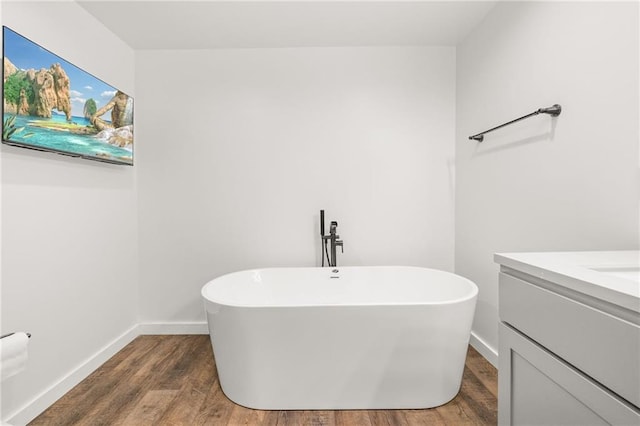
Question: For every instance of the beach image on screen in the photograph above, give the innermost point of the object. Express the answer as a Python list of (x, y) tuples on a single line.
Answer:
[(52, 105)]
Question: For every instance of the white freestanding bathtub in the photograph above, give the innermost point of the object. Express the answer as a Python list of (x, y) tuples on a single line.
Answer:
[(340, 338)]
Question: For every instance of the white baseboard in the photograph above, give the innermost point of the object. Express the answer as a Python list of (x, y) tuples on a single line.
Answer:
[(484, 349), (173, 328), (40, 403)]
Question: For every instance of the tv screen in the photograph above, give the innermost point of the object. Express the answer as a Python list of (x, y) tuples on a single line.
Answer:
[(52, 105)]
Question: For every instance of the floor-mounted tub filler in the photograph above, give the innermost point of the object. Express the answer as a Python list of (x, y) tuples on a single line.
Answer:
[(349, 338)]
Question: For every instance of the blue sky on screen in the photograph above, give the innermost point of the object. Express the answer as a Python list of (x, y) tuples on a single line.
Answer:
[(25, 54)]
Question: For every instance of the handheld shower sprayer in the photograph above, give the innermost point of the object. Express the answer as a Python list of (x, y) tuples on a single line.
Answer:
[(333, 238)]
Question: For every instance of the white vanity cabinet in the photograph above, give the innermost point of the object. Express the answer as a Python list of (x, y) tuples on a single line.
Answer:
[(569, 339)]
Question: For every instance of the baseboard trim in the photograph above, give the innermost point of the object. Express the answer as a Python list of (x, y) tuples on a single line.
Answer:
[(32, 409), (484, 349), (40, 403), (173, 328)]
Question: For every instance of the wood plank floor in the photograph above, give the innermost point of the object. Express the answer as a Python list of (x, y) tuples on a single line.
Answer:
[(172, 380)]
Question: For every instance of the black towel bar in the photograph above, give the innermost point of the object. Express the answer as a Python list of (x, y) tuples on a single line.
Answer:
[(554, 111)]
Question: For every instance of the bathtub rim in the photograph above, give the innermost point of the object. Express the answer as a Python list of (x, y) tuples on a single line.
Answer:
[(473, 294)]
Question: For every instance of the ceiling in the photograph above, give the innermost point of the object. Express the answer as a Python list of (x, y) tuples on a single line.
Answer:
[(149, 24)]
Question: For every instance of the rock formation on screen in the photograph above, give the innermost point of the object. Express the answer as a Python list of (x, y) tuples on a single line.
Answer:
[(36, 93), (9, 68), (23, 104), (119, 131)]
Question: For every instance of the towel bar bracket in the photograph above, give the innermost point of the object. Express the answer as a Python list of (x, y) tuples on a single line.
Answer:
[(11, 334)]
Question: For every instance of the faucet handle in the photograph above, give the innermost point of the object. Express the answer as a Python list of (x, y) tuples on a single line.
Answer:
[(333, 227)]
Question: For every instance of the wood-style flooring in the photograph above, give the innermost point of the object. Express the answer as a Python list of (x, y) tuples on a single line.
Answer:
[(172, 380)]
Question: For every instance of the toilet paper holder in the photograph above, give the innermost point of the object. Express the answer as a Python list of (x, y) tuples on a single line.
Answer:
[(11, 334)]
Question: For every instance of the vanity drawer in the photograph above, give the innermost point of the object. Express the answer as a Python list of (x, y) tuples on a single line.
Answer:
[(599, 344), (537, 388)]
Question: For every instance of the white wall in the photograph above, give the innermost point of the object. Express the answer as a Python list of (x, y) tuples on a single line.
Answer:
[(237, 150), (569, 183), (69, 226), (241, 149)]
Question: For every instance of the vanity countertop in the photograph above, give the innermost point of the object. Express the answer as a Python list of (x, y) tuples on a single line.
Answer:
[(611, 276)]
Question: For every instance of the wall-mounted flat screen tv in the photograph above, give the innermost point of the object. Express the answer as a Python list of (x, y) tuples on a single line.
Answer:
[(52, 105)]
